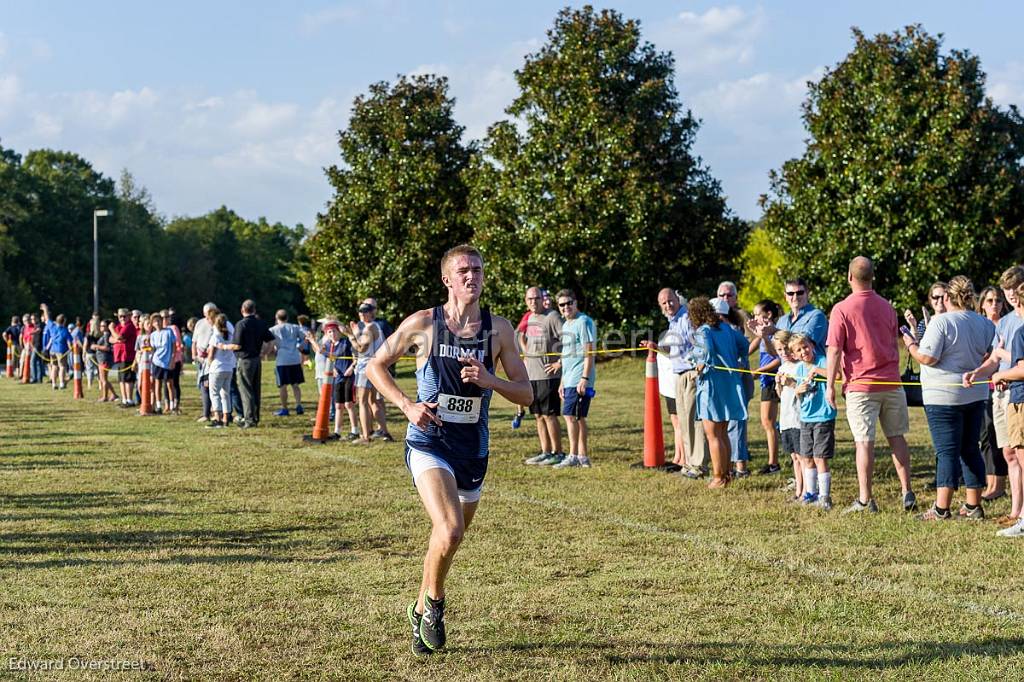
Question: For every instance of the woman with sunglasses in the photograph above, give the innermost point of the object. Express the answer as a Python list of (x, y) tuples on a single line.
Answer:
[(992, 305)]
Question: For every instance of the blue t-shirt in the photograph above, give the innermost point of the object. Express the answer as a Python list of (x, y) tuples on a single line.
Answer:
[(1006, 329), (813, 406), (162, 342), (810, 321), (341, 351), (1016, 355), (575, 333), (60, 340), (764, 359)]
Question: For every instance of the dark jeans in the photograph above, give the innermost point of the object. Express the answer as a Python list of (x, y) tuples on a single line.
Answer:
[(38, 369), (955, 433), (249, 374), (204, 392), (995, 464)]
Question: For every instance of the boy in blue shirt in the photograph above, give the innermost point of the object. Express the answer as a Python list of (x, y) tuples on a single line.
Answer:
[(817, 422)]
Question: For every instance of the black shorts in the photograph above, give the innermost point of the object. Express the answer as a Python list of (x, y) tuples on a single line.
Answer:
[(125, 375), (289, 375), (818, 439), (343, 389), (546, 402), (769, 394), (161, 374), (670, 404), (790, 439)]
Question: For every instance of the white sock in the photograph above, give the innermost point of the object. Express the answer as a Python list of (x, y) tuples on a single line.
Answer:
[(810, 481), (825, 483)]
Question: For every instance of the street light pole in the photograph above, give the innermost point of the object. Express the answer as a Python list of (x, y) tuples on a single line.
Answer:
[(96, 214)]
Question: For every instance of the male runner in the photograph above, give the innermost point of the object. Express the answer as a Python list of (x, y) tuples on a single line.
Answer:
[(447, 438)]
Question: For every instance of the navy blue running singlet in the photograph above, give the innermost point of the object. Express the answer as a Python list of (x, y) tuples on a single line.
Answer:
[(461, 407)]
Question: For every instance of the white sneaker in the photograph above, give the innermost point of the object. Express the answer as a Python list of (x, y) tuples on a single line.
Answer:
[(538, 458), (584, 461), (569, 461), (1014, 531)]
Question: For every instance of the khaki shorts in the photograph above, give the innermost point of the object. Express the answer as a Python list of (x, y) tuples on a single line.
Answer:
[(1000, 401), (1015, 425), (889, 407)]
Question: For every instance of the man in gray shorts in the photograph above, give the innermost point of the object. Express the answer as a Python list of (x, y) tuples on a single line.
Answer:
[(543, 336)]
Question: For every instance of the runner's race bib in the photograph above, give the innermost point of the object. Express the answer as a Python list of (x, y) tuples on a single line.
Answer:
[(458, 409)]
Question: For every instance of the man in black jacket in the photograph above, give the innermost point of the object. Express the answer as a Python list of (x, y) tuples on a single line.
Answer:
[(250, 334)]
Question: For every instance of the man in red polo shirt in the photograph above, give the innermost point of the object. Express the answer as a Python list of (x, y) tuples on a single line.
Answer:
[(862, 334), (122, 336)]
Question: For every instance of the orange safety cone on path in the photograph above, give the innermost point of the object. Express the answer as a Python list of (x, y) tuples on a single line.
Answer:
[(26, 365), (77, 391), (654, 435), (322, 425), (145, 381)]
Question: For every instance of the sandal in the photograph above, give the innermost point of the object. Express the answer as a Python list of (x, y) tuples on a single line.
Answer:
[(993, 498)]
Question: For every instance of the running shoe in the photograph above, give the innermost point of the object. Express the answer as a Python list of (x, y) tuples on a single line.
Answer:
[(1014, 531), (568, 462), (352, 435), (432, 623), (909, 501), (299, 409), (809, 498), (736, 473), (382, 436), (692, 474), (934, 514), (537, 459), (517, 420), (859, 506), (584, 461), (283, 412), (418, 647), (769, 469), (214, 425), (976, 514), (554, 459), (825, 502)]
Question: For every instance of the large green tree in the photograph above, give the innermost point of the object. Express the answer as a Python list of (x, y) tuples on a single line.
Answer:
[(593, 184), (399, 201), (907, 162)]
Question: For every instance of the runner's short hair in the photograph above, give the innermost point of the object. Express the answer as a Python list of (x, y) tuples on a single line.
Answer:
[(460, 250)]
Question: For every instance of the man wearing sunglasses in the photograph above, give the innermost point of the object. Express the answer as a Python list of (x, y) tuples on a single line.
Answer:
[(803, 318), (579, 340)]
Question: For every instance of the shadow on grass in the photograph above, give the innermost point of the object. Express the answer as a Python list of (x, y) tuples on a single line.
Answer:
[(186, 546), (820, 657)]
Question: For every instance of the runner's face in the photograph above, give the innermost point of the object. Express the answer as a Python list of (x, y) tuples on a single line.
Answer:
[(465, 277)]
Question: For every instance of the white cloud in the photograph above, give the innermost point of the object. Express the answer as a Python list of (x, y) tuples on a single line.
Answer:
[(3, 45), (260, 119), (1006, 84), (9, 88), (315, 22), (721, 36)]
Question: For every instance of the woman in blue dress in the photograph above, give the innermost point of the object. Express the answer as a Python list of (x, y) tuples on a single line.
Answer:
[(720, 395)]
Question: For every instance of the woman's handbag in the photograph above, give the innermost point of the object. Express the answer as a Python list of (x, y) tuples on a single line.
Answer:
[(913, 392)]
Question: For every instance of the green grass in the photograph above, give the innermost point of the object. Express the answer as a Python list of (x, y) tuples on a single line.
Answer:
[(249, 555)]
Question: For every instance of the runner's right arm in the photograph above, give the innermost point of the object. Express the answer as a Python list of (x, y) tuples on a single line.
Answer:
[(414, 330)]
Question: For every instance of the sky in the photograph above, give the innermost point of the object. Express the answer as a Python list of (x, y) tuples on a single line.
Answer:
[(239, 103)]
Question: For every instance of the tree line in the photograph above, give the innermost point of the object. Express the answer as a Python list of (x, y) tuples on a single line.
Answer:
[(146, 261)]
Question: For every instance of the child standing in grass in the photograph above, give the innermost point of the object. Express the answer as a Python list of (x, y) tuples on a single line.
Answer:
[(789, 410), (766, 314), (817, 422)]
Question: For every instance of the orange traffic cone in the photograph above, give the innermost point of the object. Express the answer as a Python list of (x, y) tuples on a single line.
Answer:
[(145, 387), (322, 425), (654, 436), (77, 371), (26, 365)]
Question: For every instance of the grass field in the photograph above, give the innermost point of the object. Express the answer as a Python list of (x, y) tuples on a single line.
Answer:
[(248, 555)]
